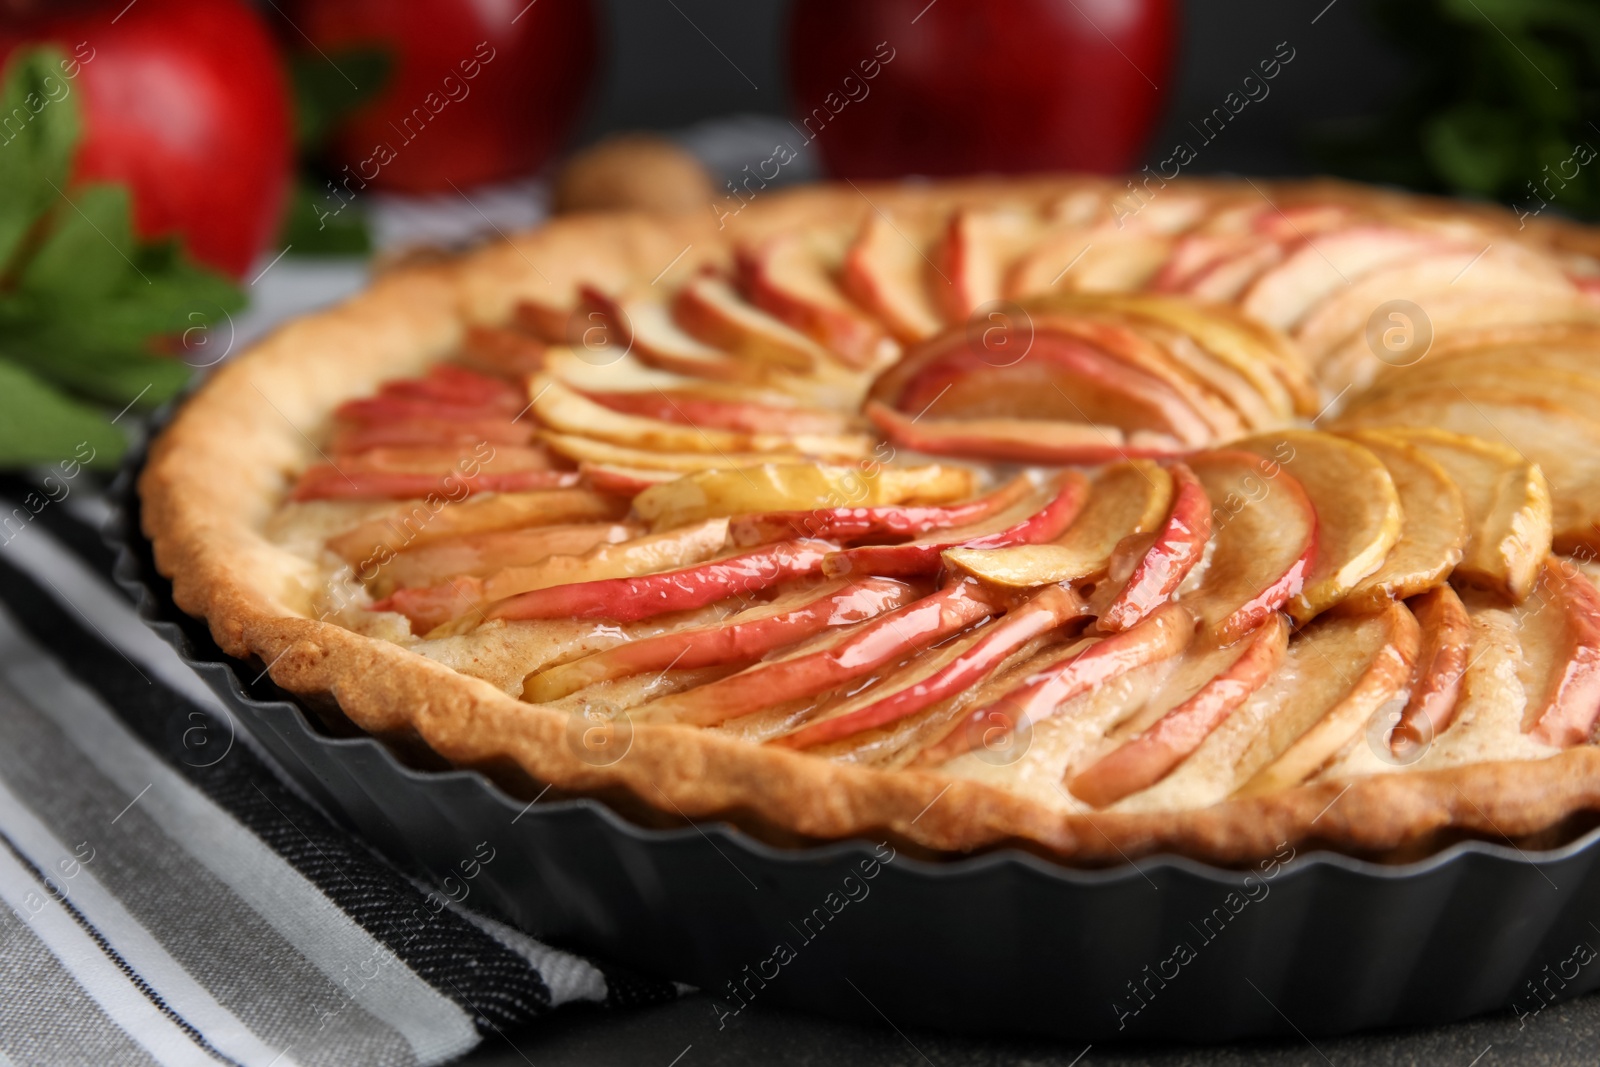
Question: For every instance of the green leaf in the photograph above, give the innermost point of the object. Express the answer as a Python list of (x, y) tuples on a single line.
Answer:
[(39, 131), (328, 88), (87, 253), (1474, 148), (319, 225), (40, 425)]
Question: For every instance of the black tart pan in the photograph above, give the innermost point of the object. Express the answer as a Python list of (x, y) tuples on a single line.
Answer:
[(998, 943)]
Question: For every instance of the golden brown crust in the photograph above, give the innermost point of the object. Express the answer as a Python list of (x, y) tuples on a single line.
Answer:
[(217, 472)]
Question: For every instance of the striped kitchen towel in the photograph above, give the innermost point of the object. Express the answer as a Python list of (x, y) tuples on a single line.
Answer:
[(156, 909)]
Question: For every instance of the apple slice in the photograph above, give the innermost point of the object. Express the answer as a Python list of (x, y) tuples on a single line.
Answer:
[(441, 459), (1179, 545), (1097, 260), (976, 254), (645, 596), (1145, 759), (1039, 518), (746, 636), (1226, 279), (646, 328), (1506, 502), (1564, 444), (622, 481), (1125, 500), (1433, 531), (770, 487), (590, 450), (326, 481), (692, 408), (430, 432), (458, 595), (880, 521), (711, 310), (1357, 506), (1165, 633), (438, 518), (1441, 666), (502, 351), (887, 639), (1303, 736), (455, 384), (1052, 444), (1562, 711), (1264, 534), (1578, 390), (477, 555), (791, 277), (390, 407), (1050, 608), (567, 411), (1284, 293), (886, 271)]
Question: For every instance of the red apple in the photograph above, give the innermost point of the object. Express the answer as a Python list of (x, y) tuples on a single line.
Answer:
[(183, 101), (480, 92), (966, 86)]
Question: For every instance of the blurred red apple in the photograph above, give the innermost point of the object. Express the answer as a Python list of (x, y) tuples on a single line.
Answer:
[(893, 87), (184, 101), (480, 90)]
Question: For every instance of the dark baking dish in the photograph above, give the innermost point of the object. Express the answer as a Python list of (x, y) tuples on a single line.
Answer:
[(1000, 943)]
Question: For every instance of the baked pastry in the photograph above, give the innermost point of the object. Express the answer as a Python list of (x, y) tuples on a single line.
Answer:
[(1043, 513)]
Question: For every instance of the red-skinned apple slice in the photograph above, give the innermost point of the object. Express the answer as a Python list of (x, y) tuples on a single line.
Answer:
[(781, 487), (1054, 444), (854, 523), (1165, 633), (741, 639), (501, 351), (1282, 294), (647, 328), (976, 254), (1357, 506), (451, 384), (1179, 545), (1265, 533), (407, 527), (1031, 521), (328, 482), (429, 432), (1144, 760), (1564, 714), (1441, 665), (622, 481), (692, 409), (581, 449), (1125, 500), (1381, 679), (481, 554), (886, 271), (388, 408), (442, 459), (791, 277), (711, 310), (1050, 608), (631, 599), (885, 640)]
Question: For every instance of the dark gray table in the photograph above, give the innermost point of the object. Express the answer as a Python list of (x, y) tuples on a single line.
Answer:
[(685, 1034)]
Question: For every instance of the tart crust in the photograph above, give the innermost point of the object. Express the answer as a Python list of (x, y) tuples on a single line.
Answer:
[(216, 474)]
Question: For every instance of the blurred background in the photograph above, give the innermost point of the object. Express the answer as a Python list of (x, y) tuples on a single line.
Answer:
[(177, 174)]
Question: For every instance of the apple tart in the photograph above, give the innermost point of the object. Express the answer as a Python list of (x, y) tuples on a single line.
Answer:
[(1036, 513)]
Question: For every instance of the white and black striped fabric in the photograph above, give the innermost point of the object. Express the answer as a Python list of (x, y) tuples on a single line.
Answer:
[(157, 908)]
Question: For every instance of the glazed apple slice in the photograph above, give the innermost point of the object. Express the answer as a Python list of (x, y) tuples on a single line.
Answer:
[(1125, 500), (568, 411), (581, 450), (744, 637), (1564, 444), (390, 408), (1179, 545), (438, 518), (453, 384), (622, 481), (1283, 293), (1564, 631), (501, 351), (754, 491), (458, 595), (1044, 443), (791, 277), (1305, 734), (483, 554), (693, 408), (1050, 608), (1089, 260), (976, 254), (1357, 506), (646, 328), (430, 432), (1441, 666), (1578, 390), (1167, 632), (1150, 756), (645, 596), (885, 640), (1506, 503), (441, 459), (1264, 533), (327, 481), (711, 310), (1041, 518), (884, 521), (886, 271), (1433, 531)]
